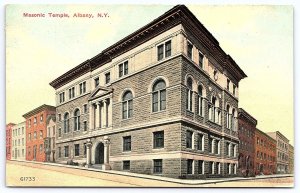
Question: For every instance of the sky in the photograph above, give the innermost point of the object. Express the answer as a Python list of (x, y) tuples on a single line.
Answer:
[(259, 39)]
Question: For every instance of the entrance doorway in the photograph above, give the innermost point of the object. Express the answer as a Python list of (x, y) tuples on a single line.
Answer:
[(99, 154)]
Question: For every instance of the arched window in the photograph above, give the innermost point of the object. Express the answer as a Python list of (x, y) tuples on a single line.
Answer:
[(233, 120), (200, 100), (189, 98), (127, 106), (159, 96), (66, 123), (214, 111), (228, 117), (76, 120)]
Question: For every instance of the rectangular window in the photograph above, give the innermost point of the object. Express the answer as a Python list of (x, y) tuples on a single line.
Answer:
[(59, 132), (160, 52), (190, 50), (158, 139), (201, 57), (126, 165), (34, 135), (59, 117), (200, 167), (127, 143), (123, 69), (168, 49), (41, 118), (164, 50), (234, 87), (157, 166), (190, 166), (76, 149), (126, 68), (107, 78), (96, 80), (155, 102), (211, 167), (228, 84), (218, 168), (85, 108), (82, 88), (84, 145), (189, 136), (66, 151), (233, 153), (34, 120), (85, 126), (216, 146), (62, 97), (210, 145), (200, 142), (59, 151), (120, 70), (71, 92), (41, 134)]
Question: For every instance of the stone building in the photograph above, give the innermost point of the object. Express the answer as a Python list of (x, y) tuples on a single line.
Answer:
[(36, 129), (282, 152), (247, 125), (18, 150), (49, 141), (291, 159), (265, 153), (8, 140), (161, 101)]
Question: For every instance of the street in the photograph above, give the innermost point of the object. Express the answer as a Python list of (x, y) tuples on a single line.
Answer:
[(37, 175)]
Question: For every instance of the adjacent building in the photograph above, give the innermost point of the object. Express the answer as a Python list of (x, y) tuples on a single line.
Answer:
[(161, 101), (282, 152), (8, 140), (247, 126), (291, 159), (36, 129), (265, 153), (49, 144), (18, 150)]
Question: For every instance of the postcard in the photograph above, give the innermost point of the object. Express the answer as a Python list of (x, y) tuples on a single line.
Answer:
[(149, 96)]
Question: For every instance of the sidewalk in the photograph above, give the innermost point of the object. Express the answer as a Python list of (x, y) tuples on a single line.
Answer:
[(160, 178)]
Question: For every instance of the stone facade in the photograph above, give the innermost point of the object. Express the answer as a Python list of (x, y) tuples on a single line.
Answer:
[(265, 153), (156, 106), (282, 152), (247, 125), (291, 159), (18, 150)]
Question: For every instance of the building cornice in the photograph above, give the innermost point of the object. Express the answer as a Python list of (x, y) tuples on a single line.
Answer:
[(265, 134), (247, 116), (179, 14), (38, 109)]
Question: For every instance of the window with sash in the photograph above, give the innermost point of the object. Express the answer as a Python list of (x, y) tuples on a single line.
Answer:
[(127, 105), (158, 139), (159, 96)]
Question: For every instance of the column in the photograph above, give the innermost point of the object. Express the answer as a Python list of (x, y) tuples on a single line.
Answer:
[(106, 143), (106, 111), (94, 116), (100, 113), (91, 111), (88, 153)]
